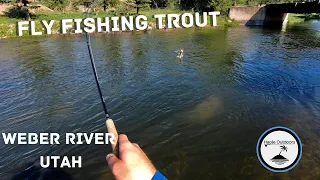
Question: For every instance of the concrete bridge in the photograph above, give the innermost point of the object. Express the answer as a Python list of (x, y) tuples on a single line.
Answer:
[(271, 14)]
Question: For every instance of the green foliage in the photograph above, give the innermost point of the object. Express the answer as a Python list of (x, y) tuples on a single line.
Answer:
[(220, 5), (139, 4), (7, 27), (112, 3), (143, 3), (298, 18), (295, 18), (57, 4), (312, 16), (172, 4), (125, 6), (19, 12)]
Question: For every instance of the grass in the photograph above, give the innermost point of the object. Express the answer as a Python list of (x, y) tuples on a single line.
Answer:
[(298, 18), (150, 13), (312, 16), (295, 18), (8, 25), (69, 15)]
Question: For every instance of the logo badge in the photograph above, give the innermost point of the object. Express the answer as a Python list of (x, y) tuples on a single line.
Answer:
[(279, 149)]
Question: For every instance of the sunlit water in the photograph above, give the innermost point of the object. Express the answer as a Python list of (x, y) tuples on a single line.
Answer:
[(196, 118)]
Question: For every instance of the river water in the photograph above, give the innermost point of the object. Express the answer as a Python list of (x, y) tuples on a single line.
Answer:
[(197, 118)]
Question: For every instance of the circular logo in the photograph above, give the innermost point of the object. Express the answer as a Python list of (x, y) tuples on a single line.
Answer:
[(279, 149)]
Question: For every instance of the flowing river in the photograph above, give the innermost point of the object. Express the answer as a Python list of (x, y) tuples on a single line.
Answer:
[(198, 117)]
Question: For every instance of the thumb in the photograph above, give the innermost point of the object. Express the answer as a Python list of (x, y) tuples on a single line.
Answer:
[(112, 159)]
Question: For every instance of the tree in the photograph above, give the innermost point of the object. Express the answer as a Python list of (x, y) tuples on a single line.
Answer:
[(125, 6), (220, 5), (283, 148), (113, 3), (25, 2), (56, 4), (142, 4), (104, 5)]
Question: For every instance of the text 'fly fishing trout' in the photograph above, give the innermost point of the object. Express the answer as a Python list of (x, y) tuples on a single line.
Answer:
[(109, 122)]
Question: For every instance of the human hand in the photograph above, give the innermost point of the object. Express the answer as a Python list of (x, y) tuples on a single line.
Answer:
[(132, 164)]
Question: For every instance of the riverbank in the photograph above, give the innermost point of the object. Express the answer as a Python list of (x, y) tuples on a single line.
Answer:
[(299, 18), (8, 25)]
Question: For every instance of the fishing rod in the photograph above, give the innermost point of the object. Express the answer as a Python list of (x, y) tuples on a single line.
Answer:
[(109, 122)]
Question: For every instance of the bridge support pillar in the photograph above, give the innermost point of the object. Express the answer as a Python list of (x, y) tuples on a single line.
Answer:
[(275, 19), (257, 16)]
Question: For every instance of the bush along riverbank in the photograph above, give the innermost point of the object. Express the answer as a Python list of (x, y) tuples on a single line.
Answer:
[(10, 18), (298, 18)]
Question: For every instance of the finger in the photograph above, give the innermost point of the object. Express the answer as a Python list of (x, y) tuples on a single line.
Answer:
[(139, 149), (123, 138), (124, 144), (111, 159), (136, 145)]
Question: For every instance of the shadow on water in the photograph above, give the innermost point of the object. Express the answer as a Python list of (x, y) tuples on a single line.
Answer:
[(34, 172)]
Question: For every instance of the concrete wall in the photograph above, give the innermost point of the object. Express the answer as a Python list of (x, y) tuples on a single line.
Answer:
[(248, 15), (257, 16)]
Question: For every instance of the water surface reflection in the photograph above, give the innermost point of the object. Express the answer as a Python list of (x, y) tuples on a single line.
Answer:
[(198, 118)]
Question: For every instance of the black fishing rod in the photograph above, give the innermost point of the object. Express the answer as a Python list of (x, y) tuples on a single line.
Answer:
[(109, 122), (95, 71)]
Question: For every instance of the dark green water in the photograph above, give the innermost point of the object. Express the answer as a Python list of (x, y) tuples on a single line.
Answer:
[(196, 118)]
